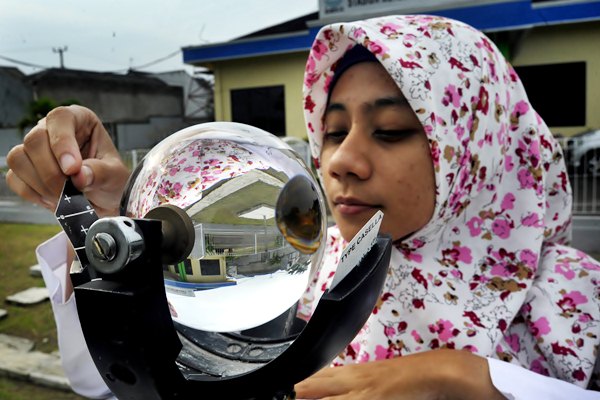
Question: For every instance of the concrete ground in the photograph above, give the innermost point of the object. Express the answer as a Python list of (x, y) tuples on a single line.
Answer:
[(18, 360)]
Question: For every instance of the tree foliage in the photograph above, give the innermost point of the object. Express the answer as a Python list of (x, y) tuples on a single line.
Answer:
[(38, 109)]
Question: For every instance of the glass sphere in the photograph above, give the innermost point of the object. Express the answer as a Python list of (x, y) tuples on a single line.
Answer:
[(259, 220)]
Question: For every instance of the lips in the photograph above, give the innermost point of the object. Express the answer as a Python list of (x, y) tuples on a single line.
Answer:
[(352, 206)]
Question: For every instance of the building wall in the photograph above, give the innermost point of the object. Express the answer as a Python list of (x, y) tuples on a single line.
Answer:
[(197, 93), (9, 137), (281, 69), (145, 135), (116, 103), (15, 96), (567, 43)]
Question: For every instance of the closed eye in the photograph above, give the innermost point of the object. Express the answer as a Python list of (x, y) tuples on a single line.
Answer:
[(335, 136), (393, 135)]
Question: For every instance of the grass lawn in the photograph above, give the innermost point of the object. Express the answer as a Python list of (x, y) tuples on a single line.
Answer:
[(11, 389), (17, 254)]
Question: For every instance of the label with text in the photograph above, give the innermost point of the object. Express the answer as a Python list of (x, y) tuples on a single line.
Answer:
[(357, 248)]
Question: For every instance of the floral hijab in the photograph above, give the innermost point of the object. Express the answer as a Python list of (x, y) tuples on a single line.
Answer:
[(491, 272)]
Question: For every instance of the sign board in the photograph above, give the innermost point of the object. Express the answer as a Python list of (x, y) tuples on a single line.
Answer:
[(345, 10)]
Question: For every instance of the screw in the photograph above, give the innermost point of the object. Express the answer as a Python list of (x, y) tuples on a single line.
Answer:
[(105, 247)]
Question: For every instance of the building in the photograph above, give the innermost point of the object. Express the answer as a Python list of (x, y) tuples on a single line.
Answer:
[(258, 78), (198, 101), (138, 109), (15, 97), (132, 97)]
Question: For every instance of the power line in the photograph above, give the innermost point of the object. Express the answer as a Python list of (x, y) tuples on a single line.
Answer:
[(24, 63), (151, 63), (60, 50)]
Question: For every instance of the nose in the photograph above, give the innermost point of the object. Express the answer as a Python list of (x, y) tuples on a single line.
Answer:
[(352, 158)]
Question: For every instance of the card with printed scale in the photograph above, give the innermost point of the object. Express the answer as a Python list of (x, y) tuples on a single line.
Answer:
[(75, 215)]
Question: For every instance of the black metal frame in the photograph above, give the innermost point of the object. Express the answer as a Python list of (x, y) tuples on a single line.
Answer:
[(127, 325)]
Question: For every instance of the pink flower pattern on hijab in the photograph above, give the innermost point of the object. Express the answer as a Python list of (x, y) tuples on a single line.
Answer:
[(491, 272)]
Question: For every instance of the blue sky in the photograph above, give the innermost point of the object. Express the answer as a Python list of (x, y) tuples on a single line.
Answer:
[(114, 35)]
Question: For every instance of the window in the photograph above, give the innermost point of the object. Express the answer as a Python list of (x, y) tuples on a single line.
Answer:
[(187, 264), (210, 267), (262, 107), (557, 92)]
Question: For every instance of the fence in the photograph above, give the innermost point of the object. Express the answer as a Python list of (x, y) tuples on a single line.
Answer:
[(583, 165), (132, 158)]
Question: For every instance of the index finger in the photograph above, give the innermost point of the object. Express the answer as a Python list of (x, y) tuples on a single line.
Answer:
[(71, 129)]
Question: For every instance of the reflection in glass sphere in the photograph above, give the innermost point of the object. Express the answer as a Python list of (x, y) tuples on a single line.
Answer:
[(298, 214), (258, 216)]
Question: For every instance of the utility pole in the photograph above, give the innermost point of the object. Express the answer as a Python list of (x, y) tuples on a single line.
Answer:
[(60, 51)]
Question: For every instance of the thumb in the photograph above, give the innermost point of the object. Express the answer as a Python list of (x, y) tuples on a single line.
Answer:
[(103, 181), (107, 174), (84, 178)]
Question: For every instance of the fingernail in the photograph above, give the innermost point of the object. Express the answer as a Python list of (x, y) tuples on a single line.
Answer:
[(66, 162), (88, 174)]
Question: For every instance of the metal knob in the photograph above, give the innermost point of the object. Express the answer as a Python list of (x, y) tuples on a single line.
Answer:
[(105, 247), (111, 243)]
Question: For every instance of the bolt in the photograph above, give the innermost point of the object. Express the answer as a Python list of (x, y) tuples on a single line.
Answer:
[(105, 247)]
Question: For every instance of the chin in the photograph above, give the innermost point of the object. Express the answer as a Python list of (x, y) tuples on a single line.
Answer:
[(348, 232)]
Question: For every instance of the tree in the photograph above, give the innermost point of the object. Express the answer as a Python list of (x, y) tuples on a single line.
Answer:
[(38, 109)]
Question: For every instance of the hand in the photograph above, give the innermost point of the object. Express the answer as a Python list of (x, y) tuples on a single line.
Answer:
[(438, 374), (69, 142)]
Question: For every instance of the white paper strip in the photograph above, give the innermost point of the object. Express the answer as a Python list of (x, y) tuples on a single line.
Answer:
[(357, 248)]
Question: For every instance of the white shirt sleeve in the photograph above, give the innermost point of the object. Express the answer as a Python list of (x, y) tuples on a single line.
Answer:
[(76, 360), (517, 383)]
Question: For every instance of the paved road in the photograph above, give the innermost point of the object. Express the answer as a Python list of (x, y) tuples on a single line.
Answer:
[(15, 210)]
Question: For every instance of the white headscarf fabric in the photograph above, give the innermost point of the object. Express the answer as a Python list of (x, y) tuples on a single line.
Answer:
[(491, 272)]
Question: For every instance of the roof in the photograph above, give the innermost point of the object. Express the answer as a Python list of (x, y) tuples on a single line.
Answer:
[(134, 78), (12, 71), (298, 35), (293, 25)]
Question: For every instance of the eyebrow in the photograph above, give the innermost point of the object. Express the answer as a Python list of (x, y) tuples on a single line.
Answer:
[(391, 101), (378, 103)]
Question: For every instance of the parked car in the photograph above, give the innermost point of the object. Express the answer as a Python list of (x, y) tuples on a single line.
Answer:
[(582, 152)]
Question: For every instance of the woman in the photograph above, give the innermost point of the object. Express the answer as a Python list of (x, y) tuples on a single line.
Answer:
[(431, 126), (421, 117)]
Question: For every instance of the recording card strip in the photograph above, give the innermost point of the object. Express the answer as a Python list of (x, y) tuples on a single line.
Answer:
[(75, 214), (357, 248)]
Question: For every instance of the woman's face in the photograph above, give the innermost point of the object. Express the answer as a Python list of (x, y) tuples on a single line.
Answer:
[(375, 155)]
